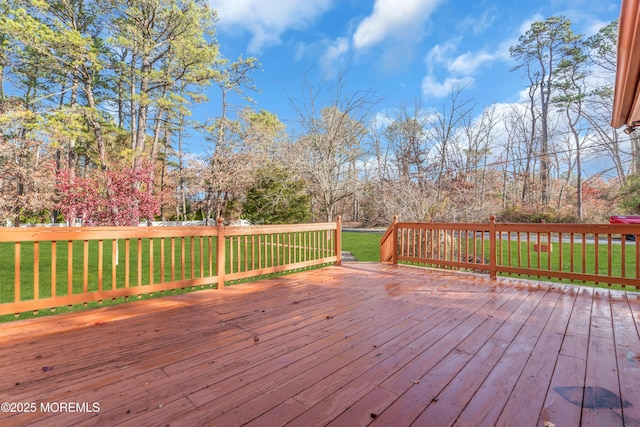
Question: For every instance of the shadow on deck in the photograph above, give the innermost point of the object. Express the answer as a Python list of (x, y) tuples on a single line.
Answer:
[(360, 344)]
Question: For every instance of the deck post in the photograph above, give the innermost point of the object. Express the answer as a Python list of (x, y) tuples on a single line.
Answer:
[(220, 254), (493, 270), (338, 241), (394, 237)]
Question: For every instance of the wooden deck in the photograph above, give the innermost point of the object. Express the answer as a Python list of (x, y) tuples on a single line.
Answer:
[(359, 344)]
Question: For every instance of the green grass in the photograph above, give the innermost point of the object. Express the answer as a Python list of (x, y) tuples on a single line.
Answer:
[(135, 277), (139, 269), (551, 261), (364, 246)]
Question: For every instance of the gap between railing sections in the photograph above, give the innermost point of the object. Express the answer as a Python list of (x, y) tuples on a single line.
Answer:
[(598, 253)]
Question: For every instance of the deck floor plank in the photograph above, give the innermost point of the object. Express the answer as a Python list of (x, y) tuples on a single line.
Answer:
[(627, 349), (533, 384), (361, 412), (360, 344), (570, 367), (455, 395), (601, 404), (328, 396), (485, 406)]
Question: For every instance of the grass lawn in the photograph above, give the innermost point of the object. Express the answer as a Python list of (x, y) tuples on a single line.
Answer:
[(97, 273), (584, 260), (364, 246), (139, 272)]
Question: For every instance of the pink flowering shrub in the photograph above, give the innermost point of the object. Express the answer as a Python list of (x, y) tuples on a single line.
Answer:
[(119, 196)]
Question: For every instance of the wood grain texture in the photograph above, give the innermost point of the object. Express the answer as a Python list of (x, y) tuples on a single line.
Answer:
[(358, 344)]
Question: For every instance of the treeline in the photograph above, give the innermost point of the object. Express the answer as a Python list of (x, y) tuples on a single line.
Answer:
[(95, 121)]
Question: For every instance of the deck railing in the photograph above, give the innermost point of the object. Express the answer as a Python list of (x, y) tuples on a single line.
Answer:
[(597, 253), (44, 268)]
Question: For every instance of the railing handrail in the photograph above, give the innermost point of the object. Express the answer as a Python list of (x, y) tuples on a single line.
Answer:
[(516, 248), (167, 258), (387, 246)]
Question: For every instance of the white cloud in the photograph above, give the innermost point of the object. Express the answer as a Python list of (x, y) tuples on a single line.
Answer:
[(434, 89), (393, 18), (477, 24), (331, 60), (439, 54), (265, 21), (460, 69), (469, 62)]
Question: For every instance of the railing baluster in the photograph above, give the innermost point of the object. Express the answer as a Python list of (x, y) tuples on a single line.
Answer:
[(139, 259), (253, 252), (85, 267), (596, 269), (609, 252), (210, 254), (114, 263), (162, 260), (151, 260), (193, 257), (560, 263), (623, 258), (549, 249), (54, 273), (482, 249), (202, 254), (238, 253), (70, 267), (571, 252), (289, 247), (173, 259), (231, 255), (584, 253), (100, 263), (519, 237), (16, 274), (182, 259), (246, 253), (36, 270)]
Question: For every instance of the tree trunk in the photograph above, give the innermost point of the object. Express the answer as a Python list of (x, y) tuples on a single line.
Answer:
[(635, 143)]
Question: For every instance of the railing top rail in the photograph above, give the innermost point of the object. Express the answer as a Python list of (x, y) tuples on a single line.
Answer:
[(537, 227), (136, 232), (240, 230), (101, 233), (385, 236), (390, 229), (446, 225), (565, 228)]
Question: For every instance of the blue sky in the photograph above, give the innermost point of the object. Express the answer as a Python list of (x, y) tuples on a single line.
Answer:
[(406, 50)]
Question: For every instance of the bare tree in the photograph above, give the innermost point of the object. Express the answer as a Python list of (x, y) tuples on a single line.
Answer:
[(443, 134), (479, 134), (407, 138), (331, 145)]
